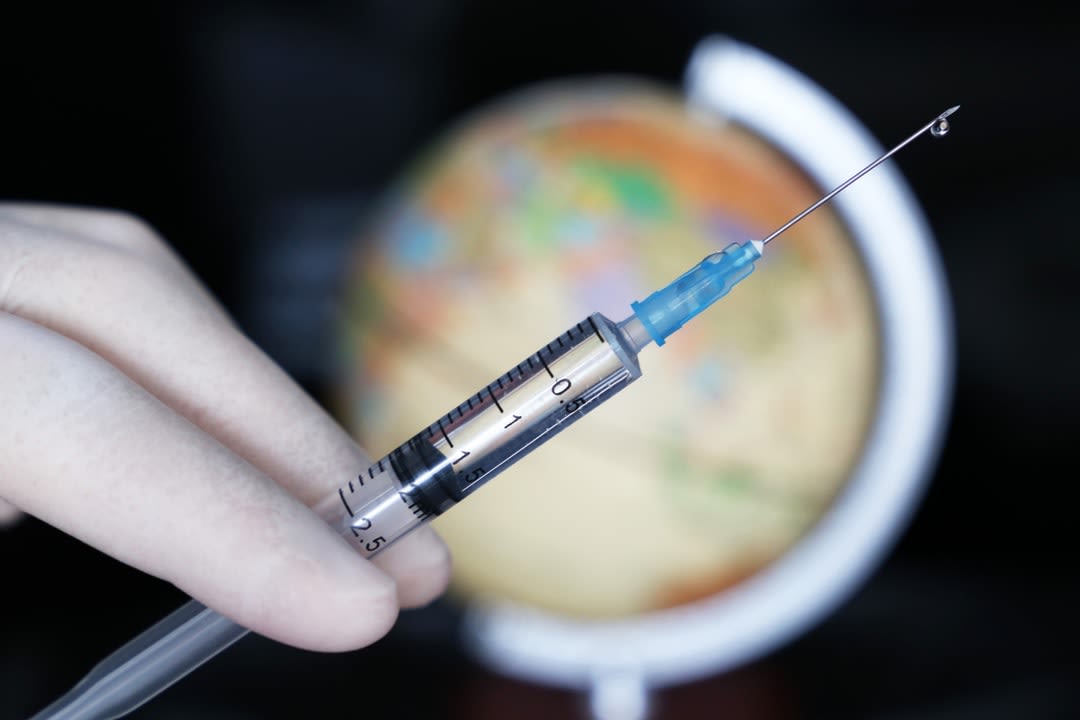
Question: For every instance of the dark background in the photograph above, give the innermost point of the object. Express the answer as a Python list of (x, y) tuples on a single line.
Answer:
[(253, 135)]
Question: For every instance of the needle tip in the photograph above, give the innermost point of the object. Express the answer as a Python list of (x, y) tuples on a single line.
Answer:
[(948, 112)]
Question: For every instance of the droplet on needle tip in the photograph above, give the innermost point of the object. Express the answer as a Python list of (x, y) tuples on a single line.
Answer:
[(940, 126)]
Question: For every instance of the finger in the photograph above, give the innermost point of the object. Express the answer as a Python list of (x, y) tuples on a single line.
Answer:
[(420, 563), (89, 451), (109, 227), (118, 230), (143, 318), (8, 514)]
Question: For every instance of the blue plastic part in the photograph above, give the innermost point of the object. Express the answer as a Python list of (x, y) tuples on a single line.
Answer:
[(669, 308)]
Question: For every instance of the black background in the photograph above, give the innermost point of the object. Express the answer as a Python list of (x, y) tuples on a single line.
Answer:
[(216, 121)]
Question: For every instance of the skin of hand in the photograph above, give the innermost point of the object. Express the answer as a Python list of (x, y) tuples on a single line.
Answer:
[(137, 418)]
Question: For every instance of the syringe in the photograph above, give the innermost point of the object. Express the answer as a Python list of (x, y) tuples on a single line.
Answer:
[(449, 459)]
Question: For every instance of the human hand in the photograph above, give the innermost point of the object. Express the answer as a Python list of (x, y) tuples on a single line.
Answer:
[(137, 418)]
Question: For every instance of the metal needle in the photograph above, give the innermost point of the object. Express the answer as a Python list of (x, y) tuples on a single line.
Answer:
[(938, 127)]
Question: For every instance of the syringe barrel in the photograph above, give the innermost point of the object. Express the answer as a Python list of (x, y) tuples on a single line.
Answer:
[(494, 428), (669, 308), (511, 416)]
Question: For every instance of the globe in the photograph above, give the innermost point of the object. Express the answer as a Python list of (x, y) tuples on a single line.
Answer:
[(582, 197)]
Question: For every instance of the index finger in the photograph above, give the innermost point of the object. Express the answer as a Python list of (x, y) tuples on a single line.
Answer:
[(88, 451)]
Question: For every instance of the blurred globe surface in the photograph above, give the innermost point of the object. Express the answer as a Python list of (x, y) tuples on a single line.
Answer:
[(583, 197)]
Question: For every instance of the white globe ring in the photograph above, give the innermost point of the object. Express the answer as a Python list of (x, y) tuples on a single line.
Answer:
[(747, 86)]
